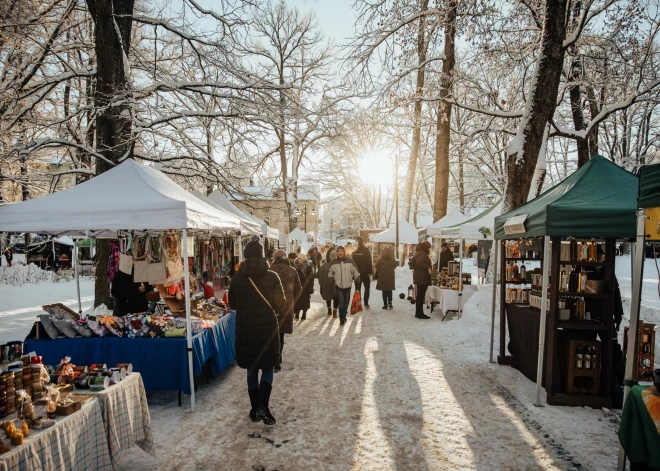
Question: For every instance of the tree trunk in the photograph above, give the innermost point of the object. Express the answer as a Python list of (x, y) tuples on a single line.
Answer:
[(422, 47), (443, 124), (542, 98), (541, 168), (112, 36)]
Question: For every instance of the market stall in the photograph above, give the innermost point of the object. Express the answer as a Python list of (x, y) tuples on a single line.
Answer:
[(409, 236), (639, 434), (579, 223), (447, 299), (472, 229), (144, 202)]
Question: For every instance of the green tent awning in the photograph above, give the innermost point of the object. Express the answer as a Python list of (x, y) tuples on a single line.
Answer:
[(86, 243), (597, 200), (649, 186)]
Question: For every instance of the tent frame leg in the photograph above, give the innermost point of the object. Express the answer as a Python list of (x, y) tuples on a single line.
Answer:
[(635, 301), (544, 307), (494, 300), (189, 349)]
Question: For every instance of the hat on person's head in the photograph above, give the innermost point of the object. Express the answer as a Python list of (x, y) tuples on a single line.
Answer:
[(332, 255), (427, 244), (302, 256), (280, 254), (253, 249), (420, 248)]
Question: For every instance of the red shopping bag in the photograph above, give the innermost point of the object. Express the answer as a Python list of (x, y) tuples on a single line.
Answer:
[(356, 305)]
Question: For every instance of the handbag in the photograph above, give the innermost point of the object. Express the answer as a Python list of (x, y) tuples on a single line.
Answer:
[(356, 305), (140, 262), (157, 274), (174, 265), (126, 259)]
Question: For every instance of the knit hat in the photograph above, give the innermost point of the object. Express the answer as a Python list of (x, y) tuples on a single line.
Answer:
[(302, 256), (427, 244), (253, 249), (280, 254), (332, 255), (420, 248)]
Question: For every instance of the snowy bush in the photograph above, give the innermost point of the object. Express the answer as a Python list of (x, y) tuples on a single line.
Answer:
[(21, 274)]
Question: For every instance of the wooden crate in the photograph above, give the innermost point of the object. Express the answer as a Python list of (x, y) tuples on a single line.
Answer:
[(645, 349), (582, 380)]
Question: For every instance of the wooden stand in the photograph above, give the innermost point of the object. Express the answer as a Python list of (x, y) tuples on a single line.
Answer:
[(583, 367), (645, 349)]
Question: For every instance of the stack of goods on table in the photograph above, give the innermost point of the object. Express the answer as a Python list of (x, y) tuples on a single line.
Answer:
[(449, 276), (140, 325), (33, 395)]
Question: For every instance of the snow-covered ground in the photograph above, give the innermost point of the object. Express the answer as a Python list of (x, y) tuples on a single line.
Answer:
[(385, 392), (19, 305)]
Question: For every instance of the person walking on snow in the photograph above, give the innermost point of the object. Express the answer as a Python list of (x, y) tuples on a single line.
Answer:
[(385, 281), (421, 278), (291, 285), (343, 272), (327, 286), (9, 257), (306, 275), (256, 294), (362, 258)]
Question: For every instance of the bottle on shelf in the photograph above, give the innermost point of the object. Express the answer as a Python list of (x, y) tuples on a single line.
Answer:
[(516, 251), (579, 355), (584, 251), (516, 271), (509, 272), (574, 250), (509, 249), (563, 279), (523, 272), (586, 359), (573, 280), (581, 309), (582, 282), (594, 364), (593, 251)]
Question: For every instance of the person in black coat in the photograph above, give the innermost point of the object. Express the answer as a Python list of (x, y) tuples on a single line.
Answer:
[(129, 297), (362, 258), (421, 278), (446, 256), (256, 294), (306, 275)]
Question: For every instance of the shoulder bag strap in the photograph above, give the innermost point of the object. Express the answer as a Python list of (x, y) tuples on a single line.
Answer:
[(262, 296)]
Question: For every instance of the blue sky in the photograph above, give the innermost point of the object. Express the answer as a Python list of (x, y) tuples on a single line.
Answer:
[(336, 17)]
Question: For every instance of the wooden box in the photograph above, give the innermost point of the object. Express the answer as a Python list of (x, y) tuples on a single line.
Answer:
[(583, 375), (645, 349)]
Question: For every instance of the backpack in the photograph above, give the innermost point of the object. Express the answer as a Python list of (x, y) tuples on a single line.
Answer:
[(412, 262)]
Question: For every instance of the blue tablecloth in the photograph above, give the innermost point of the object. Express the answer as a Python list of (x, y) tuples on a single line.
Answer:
[(162, 362)]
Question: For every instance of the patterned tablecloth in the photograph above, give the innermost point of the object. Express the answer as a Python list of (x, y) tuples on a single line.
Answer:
[(78, 441), (126, 417)]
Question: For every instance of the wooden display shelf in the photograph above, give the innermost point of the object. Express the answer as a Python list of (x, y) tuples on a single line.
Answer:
[(518, 282), (584, 295), (504, 360), (581, 325), (523, 259), (586, 264)]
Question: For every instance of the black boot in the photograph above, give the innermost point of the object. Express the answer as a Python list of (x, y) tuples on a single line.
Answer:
[(304, 316), (263, 412), (297, 316), (254, 403)]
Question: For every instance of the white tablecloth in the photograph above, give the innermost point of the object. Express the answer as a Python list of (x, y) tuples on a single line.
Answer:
[(447, 299)]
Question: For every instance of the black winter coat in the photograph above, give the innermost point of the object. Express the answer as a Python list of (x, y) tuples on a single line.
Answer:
[(362, 258), (257, 332), (445, 257), (291, 284), (127, 294), (306, 275), (385, 267), (421, 275)]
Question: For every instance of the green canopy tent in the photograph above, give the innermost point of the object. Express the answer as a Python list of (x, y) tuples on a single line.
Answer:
[(86, 243), (648, 197), (597, 200)]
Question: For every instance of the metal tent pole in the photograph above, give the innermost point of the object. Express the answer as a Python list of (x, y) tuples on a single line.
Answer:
[(77, 270), (189, 349), (460, 276), (635, 301), (492, 309), (544, 307), (396, 205)]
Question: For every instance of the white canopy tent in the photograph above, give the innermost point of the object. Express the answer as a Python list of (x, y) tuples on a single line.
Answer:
[(222, 201), (408, 234), (130, 196), (452, 218), (471, 229), (298, 235), (248, 226)]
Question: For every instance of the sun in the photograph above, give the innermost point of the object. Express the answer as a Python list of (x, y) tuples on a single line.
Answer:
[(377, 168)]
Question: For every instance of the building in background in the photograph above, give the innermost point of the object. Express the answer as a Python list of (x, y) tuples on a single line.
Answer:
[(267, 203)]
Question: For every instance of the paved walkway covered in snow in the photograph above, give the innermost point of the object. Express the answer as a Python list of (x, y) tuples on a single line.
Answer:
[(386, 391)]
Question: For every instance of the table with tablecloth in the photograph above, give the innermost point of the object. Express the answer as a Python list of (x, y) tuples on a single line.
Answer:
[(639, 431), (447, 299), (125, 417), (77, 441), (162, 362)]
